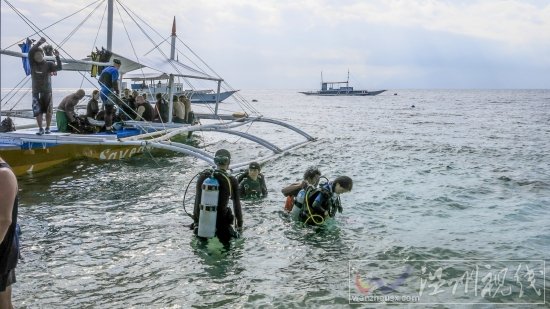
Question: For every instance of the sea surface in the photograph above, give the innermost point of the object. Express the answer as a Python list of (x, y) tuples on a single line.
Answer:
[(449, 208)]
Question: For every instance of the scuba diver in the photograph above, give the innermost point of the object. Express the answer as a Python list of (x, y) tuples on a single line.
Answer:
[(211, 214), (311, 178), (252, 182), (315, 206)]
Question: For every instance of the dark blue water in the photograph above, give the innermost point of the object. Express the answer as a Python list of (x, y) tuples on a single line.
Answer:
[(462, 176)]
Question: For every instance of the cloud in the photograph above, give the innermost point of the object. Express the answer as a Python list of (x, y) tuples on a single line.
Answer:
[(384, 43)]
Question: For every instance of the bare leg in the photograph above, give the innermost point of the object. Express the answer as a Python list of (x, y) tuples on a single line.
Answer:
[(48, 118), (49, 111), (39, 120), (5, 298)]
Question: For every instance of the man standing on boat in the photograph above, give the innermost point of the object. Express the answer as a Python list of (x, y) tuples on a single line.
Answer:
[(9, 247), (108, 80), (228, 188), (41, 71)]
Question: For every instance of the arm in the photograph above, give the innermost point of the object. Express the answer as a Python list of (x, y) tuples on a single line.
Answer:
[(318, 205), (33, 49), (198, 193), (263, 185), (237, 202), (8, 192), (69, 110), (292, 189), (115, 81), (140, 110), (242, 189), (58, 65)]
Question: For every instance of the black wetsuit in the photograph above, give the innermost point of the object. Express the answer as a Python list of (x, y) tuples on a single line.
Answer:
[(42, 81), (252, 188), (9, 248), (225, 217)]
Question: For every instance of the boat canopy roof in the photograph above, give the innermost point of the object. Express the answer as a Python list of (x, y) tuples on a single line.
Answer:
[(163, 67)]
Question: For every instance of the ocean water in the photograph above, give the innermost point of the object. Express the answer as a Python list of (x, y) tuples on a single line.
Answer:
[(456, 187)]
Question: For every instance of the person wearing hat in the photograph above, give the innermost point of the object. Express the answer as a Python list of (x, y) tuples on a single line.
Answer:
[(41, 72), (108, 80), (252, 182), (65, 111), (228, 189)]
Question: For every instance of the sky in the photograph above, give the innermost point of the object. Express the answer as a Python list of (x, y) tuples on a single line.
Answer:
[(286, 44)]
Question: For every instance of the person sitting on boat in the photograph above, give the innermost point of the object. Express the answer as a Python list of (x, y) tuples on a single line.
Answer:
[(161, 107), (227, 188), (312, 175), (317, 205), (108, 80), (65, 111), (252, 182), (41, 71), (189, 115), (128, 109), (92, 109), (178, 110), (144, 110)]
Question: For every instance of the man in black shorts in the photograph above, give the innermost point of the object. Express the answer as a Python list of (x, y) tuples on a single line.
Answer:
[(9, 247), (41, 71)]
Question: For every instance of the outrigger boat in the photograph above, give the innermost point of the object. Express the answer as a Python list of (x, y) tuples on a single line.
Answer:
[(336, 89), (27, 152)]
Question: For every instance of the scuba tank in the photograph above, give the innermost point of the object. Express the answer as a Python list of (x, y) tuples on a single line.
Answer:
[(208, 207), (298, 204)]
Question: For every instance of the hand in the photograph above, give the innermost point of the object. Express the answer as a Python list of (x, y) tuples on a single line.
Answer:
[(326, 213), (56, 52)]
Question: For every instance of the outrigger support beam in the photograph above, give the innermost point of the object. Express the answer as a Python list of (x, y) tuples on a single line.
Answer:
[(286, 125), (251, 137)]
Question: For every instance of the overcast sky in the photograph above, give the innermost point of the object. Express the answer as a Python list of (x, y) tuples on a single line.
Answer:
[(285, 44)]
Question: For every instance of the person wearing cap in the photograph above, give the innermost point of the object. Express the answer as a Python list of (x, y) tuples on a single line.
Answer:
[(228, 189), (108, 80), (65, 111), (252, 182), (41, 72)]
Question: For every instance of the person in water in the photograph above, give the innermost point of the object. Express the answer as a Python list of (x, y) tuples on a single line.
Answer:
[(9, 247), (323, 203), (41, 71), (108, 80), (252, 182), (311, 178), (228, 189), (65, 111)]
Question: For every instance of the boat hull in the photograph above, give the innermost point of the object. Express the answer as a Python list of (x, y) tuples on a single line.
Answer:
[(39, 158)]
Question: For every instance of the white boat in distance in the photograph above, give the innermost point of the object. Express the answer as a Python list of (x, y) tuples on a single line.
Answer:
[(152, 83), (336, 89)]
